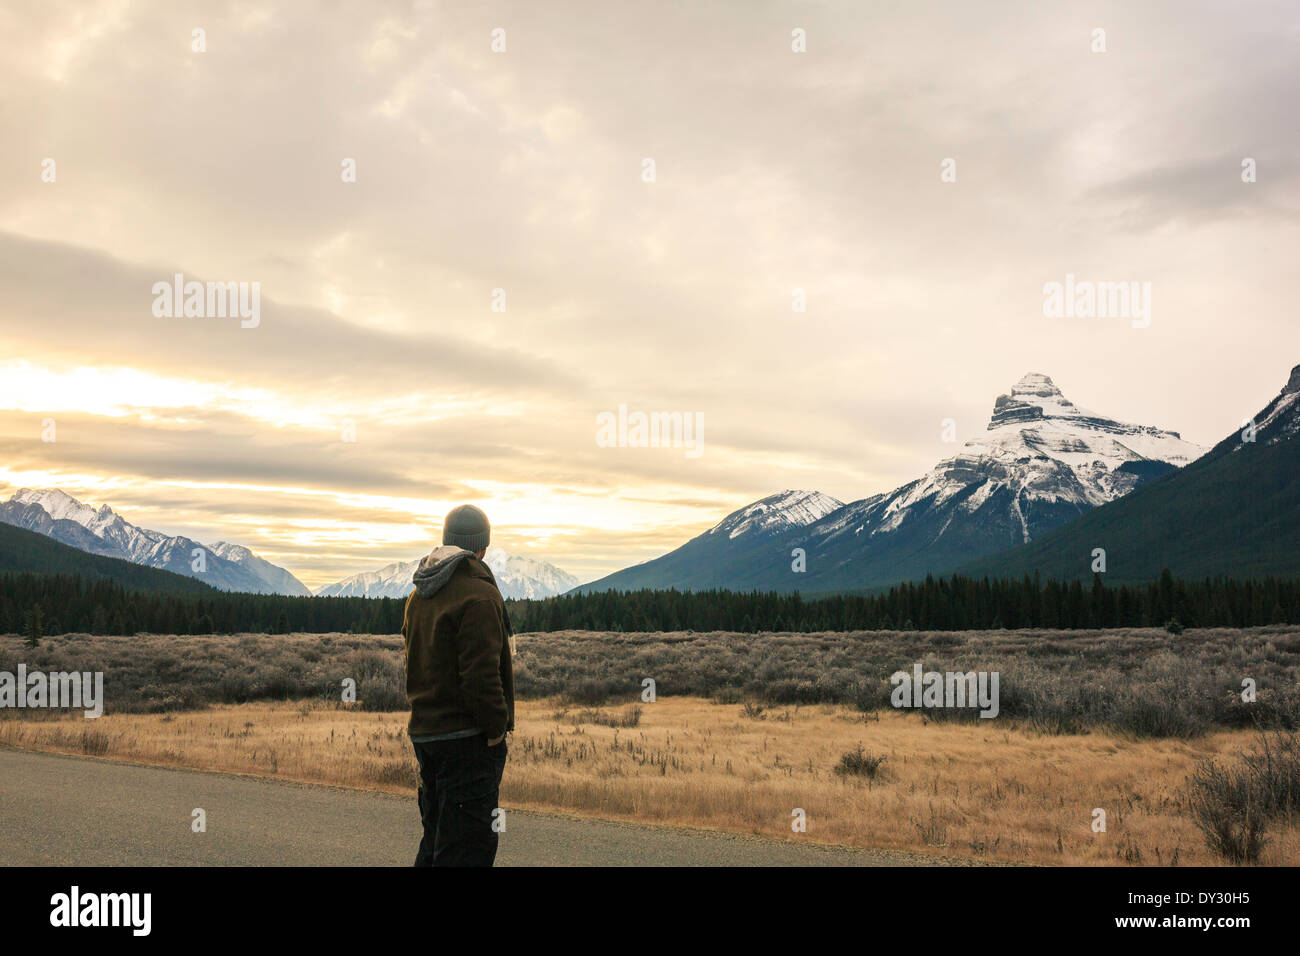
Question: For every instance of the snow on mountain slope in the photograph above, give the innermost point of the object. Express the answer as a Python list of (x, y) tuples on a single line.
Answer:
[(33, 517), (1036, 420), (1040, 453), (274, 576), (60, 516), (517, 576), (59, 505), (777, 513), (392, 580), (1235, 510), (1280, 419), (1043, 447)]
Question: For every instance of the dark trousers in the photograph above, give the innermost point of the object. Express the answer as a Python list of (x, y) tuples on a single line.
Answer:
[(459, 785)]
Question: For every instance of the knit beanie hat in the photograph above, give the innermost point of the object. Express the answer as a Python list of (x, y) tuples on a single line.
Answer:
[(466, 527)]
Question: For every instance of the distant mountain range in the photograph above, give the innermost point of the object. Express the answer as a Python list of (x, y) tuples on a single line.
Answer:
[(1235, 512), (1041, 462), (102, 531), (233, 567), (1039, 490), (517, 577)]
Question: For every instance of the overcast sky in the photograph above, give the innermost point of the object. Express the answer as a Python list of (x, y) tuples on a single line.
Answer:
[(524, 171)]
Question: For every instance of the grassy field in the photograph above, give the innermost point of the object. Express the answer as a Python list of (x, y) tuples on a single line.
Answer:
[(747, 728), (990, 791)]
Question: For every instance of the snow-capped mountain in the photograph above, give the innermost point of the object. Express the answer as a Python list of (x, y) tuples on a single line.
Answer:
[(392, 580), (230, 567), (517, 576), (1235, 511), (722, 554), (1041, 461), (1041, 458)]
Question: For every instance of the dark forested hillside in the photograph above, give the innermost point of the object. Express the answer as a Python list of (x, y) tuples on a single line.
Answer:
[(23, 550)]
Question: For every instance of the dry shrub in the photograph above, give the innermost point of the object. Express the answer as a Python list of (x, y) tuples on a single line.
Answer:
[(1233, 806), (859, 763), (94, 743), (1137, 682)]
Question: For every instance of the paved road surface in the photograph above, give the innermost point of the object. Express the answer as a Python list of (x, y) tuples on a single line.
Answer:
[(57, 810)]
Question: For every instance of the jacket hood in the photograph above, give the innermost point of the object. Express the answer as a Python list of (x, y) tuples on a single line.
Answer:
[(437, 567)]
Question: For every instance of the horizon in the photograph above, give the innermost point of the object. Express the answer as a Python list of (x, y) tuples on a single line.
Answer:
[(315, 587), (797, 276)]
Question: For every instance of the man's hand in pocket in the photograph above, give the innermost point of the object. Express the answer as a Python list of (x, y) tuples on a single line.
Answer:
[(493, 743)]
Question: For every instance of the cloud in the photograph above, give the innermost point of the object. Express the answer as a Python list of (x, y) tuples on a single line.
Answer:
[(521, 172)]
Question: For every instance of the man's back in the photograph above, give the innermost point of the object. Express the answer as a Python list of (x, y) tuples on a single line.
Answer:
[(458, 672)]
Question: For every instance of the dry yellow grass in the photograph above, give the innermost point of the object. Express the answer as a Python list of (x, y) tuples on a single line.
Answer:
[(993, 791)]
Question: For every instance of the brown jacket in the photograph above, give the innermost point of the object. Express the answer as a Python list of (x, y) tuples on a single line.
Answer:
[(458, 673)]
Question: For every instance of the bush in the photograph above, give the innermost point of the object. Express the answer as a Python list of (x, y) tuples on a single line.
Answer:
[(1143, 682), (1275, 772), (1224, 809), (859, 763), (589, 692), (1233, 806), (378, 694), (94, 743)]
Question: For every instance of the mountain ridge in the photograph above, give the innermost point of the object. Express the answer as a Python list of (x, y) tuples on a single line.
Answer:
[(1040, 461), (102, 531), (725, 549)]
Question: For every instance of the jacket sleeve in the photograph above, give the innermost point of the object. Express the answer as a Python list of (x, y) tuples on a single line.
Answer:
[(481, 638)]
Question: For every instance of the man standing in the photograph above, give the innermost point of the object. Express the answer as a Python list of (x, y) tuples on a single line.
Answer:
[(461, 689)]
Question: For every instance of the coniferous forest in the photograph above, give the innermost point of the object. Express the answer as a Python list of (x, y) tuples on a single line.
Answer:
[(36, 605)]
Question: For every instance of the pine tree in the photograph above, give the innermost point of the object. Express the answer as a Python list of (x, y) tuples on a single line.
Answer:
[(35, 626)]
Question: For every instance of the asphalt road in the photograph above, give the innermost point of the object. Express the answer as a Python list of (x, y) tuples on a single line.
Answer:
[(57, 811)]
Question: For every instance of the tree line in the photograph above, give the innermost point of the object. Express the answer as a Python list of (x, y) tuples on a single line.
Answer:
[(63, 603), (939, 604), (60, 603)]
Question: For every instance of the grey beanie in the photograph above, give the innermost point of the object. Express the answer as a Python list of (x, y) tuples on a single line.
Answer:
[(466, 527)]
